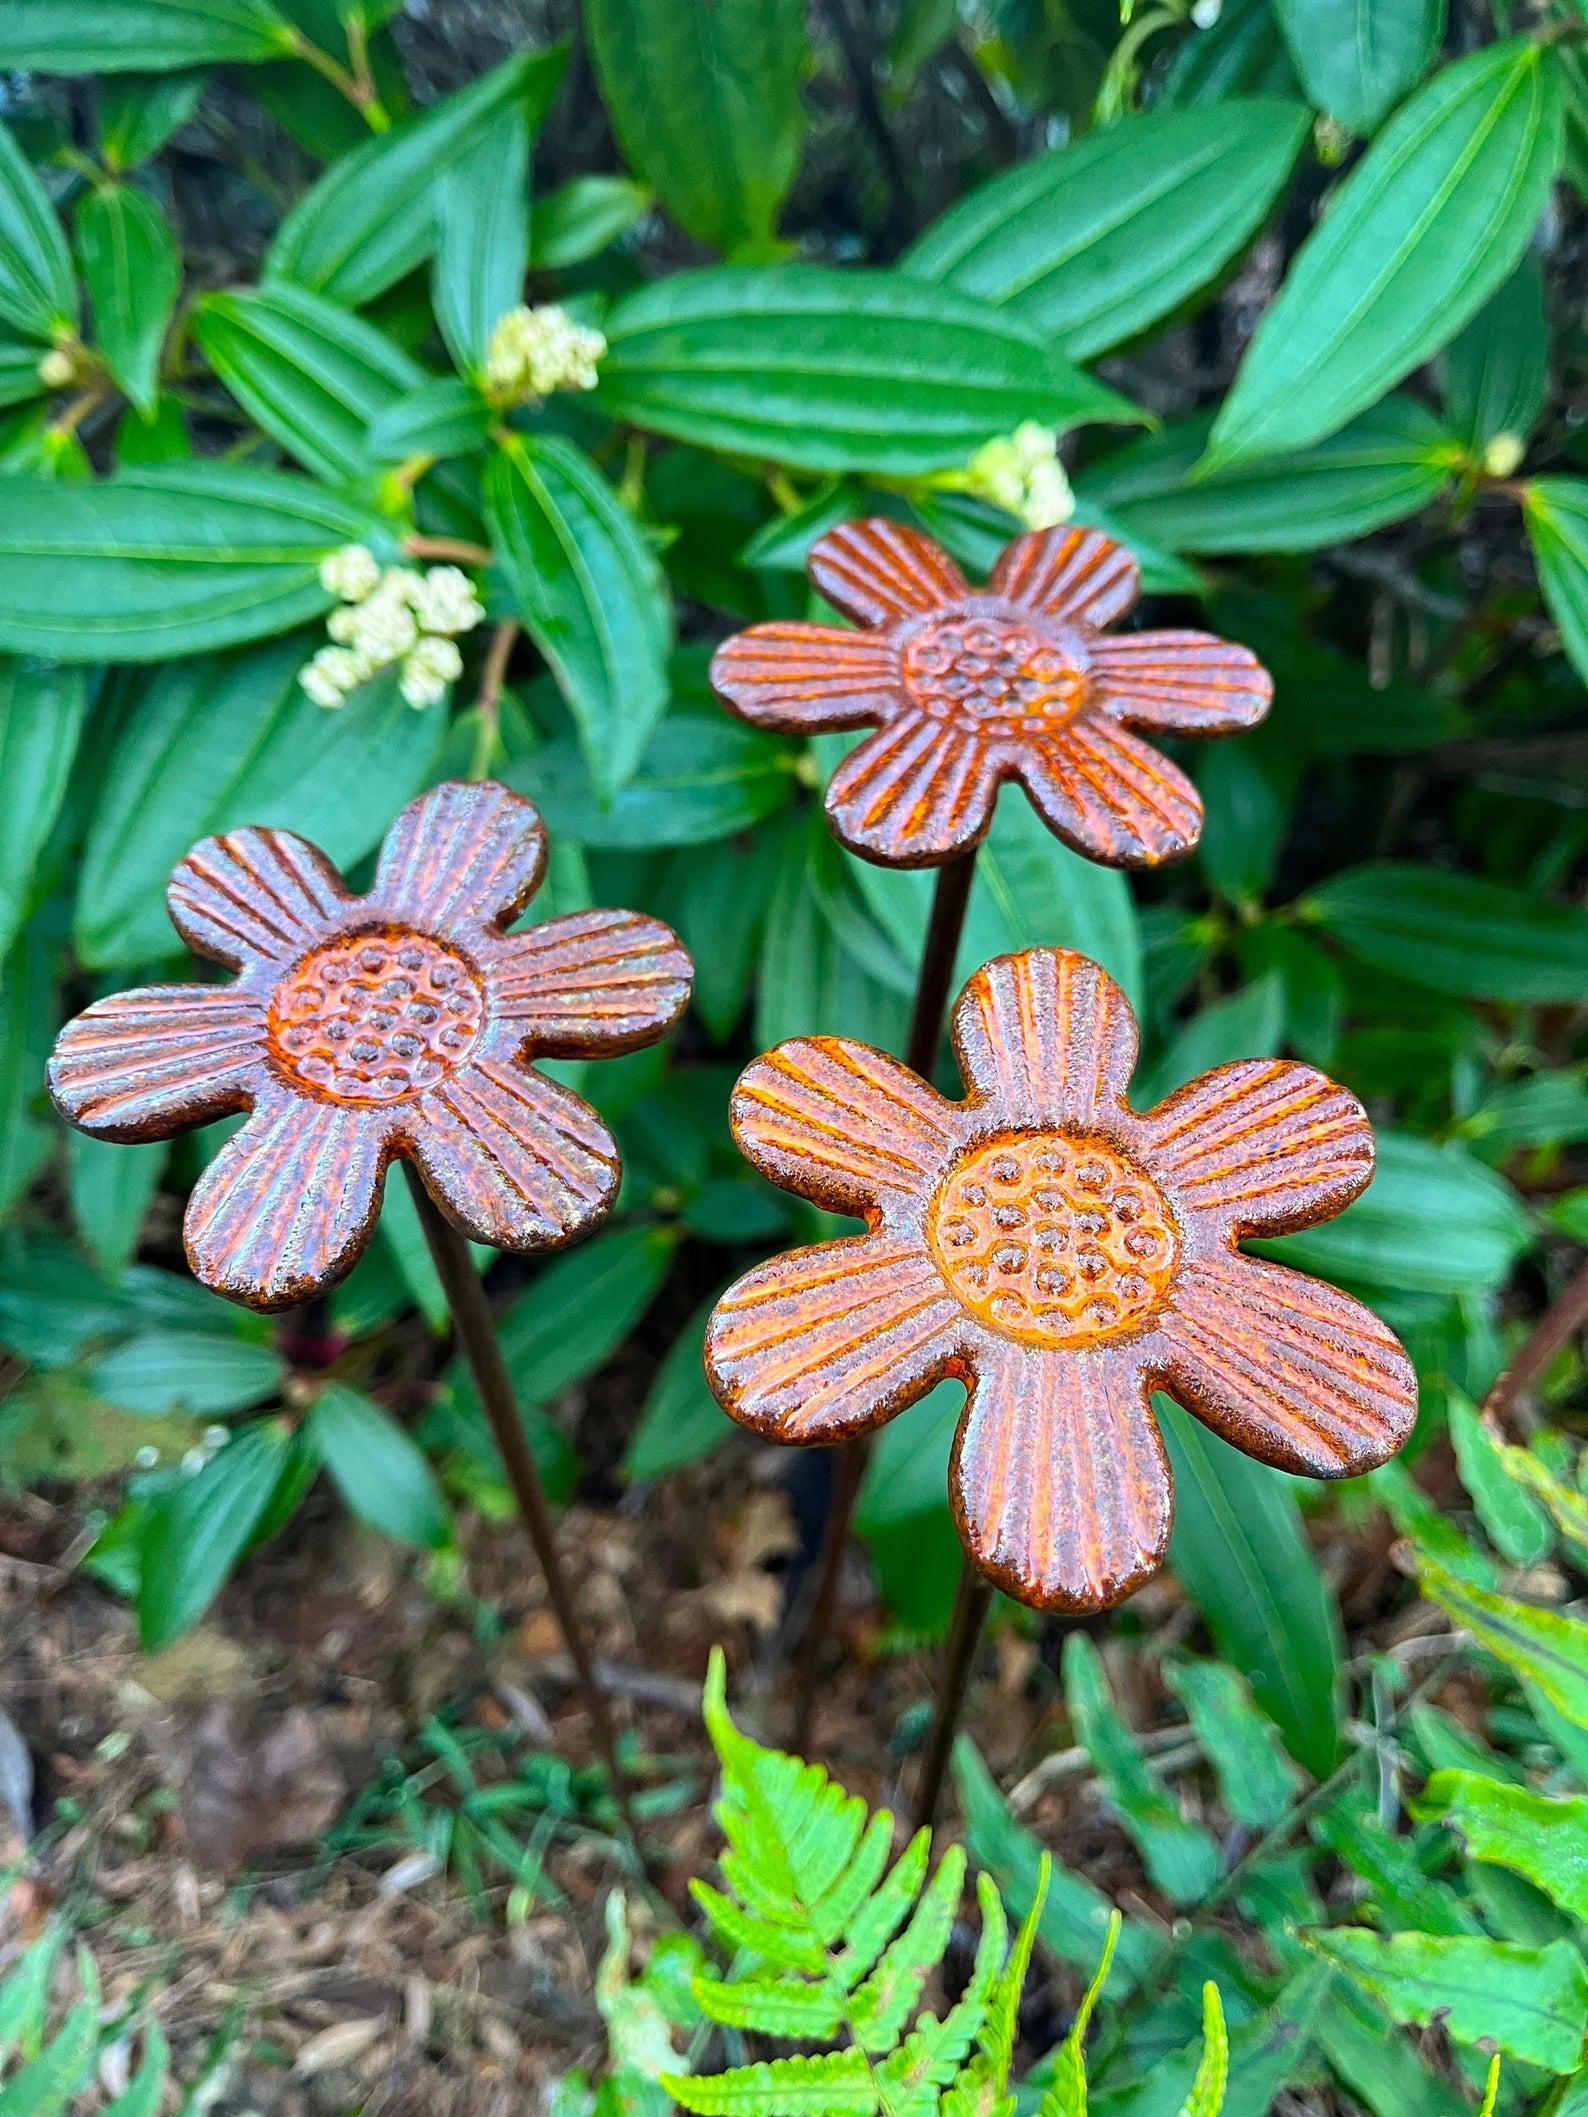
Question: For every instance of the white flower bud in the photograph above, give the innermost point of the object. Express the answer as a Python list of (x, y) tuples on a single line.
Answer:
[(427, 671), (535, 351), (384, 626), (1022, 474), (57, 370), (1503, 454), (333, 673), (352, 573), (445, 601)]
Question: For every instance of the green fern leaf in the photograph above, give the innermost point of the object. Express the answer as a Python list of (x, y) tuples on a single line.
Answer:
[(873, 1925), (1206, 2098), (835, 2084), (786, 1947), (775, 2006), (1491, 2088), (934, 2051), (858, 1880), (1067, 2096), (982, 2088), (879, 2010)]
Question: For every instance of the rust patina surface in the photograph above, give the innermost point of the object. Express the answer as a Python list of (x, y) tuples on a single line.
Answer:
[(1062, 1255), (970, 687), (360, 1029)]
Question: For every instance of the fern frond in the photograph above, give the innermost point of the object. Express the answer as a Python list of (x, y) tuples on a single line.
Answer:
[(982, 2089), (835, 2084), (880, 2008), (858, 1880), (1067, 2096), (873, 1925), (935, 2050), (1491, 2088), (1206, 2098), (787, 1946), (775, 2006)]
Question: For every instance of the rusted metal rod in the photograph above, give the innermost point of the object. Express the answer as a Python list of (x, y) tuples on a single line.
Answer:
[(972, 1599)]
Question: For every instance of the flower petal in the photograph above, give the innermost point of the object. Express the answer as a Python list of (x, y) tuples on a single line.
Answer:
[(841, 1123), (516, 1159), (1060, 1484), (1262, 1146), (799, 678), (1286, 1367), (1076, 574), (590, 982), (290, 1201), (1046, 1038), (1185, 683), (465, 850), (825, 1343), (1112, 797), (877, 570), (914, 794), (254, 896), (147, 1063)]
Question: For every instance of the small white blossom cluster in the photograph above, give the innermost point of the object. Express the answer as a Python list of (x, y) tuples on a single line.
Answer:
[(58, 369), (1021, 473), (535, 351), (395, 615)]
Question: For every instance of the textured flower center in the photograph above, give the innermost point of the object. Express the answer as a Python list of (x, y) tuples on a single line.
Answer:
[(1054, 1238), (1003, 677), (376, 1015)]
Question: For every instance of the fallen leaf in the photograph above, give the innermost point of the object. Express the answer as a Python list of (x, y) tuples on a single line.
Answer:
[(338, 2045)]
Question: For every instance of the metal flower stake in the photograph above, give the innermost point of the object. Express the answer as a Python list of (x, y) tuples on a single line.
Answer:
[(1063, 1256), (970, 687), (393, 1026)]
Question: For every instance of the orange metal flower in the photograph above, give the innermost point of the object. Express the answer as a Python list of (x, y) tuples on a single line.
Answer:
[(1063, 1256), (972, 687), (365, 1028)]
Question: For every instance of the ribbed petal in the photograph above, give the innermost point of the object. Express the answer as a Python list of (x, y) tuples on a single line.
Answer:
[(825, 1343), (147, 1063), (255, 896), (1060, 1484), (801, 678), (877, 570), (590, 982), (1046, 1038), (1075, 574), (1183, 683), (1286, 1367), (841, 1123), (1112, 797), (1260, 1146), (914, 794), (465, 850), (288, 1204), (516, 1159)]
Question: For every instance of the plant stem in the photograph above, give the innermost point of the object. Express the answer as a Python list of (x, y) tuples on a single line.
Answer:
[(1566, 1315), (476, 1335), (458, 549), (933, 984), (972, 1600), (488, 704)]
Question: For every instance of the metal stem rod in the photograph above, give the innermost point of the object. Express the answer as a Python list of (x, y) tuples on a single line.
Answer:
[(972, 1599)]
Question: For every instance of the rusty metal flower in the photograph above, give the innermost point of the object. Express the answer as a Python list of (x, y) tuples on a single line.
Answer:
[(1063, 1256), (972, 687), (365, 1028)]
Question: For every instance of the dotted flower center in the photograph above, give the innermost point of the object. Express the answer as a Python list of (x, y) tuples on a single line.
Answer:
[(1054, 1239), (1004, 678), (375, 1016)]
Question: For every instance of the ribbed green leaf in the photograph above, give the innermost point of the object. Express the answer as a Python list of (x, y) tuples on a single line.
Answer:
[(139, 36), (138, 113), (1496, 374), (198, 1530), (1556, 513), (482, 238), (41, 718), (581, 217), (880, 2007), (1514, 1523), (37, 292), (1357, 58), (132, 270), (378, 1470), (1456, 933), (1427, 225), (774, 2006)]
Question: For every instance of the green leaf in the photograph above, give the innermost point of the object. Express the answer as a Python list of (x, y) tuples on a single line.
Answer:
[(372, 217), (199, 1529), (482, 241), (143, 2096), (132, 270), (1357, 58), (1455, 933), (1556, 513), (722, 145), (111, 1186), (1399, 1895), (308, 371), (1257, 1780), (1433, 1220), (1541, 1836), (1067, 2097), (1567, 1505), (1546, 1648), (41, 718), (1432, 219), (832, 2084), (217, 743), (1532, 2002), (158, 563), (184, 1371), (591, 594), (1249, 1024), (60, 2072), (28, 1015), (378, 1470), (1093, 242), (1392, 461), (1239, 1547), (1496, 373), (139, 113), (581, 217), (1180, 1857), (37, 292), (1206, 2098), (139, 36), (834, 370), (682, 1421), (1515, 1524)]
